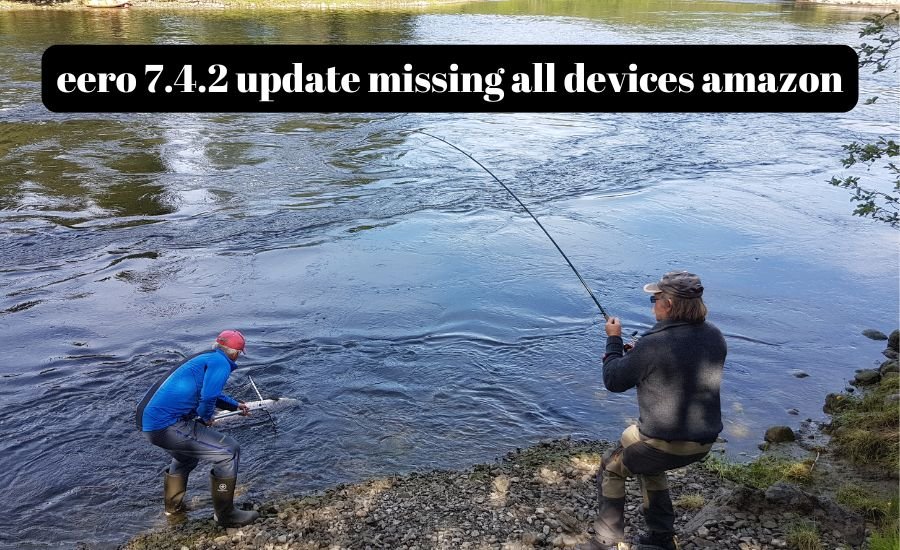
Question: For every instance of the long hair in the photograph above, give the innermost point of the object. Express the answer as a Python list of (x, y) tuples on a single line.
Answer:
[(687, 310)]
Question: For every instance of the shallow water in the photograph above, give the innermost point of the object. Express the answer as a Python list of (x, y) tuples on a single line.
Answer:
[(420, 316)]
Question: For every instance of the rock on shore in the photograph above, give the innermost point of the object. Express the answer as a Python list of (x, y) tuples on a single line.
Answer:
[(541, 497)]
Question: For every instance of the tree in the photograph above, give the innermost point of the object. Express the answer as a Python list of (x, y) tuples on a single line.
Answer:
[(882, 55)]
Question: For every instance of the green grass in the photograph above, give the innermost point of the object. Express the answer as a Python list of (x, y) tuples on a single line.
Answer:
[(804, 536), (887, 535), (691, 501), (863, 501), (866, 429), (762, 472), (885, 539)]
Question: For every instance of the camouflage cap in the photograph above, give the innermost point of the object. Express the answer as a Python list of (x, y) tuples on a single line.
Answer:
[(677, 283)]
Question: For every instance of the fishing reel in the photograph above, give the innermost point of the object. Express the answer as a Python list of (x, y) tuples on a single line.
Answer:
[(631, 343)]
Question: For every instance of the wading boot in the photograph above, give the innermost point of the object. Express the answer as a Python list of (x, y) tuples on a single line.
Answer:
[(173, 493), (609, 525), (592, 544), (659, 516), (656, 541), (226, 514)]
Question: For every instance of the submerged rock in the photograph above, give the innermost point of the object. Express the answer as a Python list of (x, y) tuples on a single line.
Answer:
[(780, 434), (873, 334)]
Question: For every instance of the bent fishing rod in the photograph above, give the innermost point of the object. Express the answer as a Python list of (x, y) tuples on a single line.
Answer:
[(533, 217)]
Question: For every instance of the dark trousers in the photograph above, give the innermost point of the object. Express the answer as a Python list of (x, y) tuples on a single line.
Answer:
[(648, 459), (188, 442)]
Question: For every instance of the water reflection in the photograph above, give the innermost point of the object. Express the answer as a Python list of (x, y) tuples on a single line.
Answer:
[(692, 14), (87, 168)]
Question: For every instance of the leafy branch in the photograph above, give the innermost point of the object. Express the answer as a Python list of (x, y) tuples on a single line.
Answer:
[(880, 54), (884, 207), (872, 203)]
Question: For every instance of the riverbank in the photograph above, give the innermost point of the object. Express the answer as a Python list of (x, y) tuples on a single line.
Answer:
[(544, 496), (806, 494), (541, 497)]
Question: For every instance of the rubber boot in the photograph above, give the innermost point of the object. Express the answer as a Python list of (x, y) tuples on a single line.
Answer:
[(174, 488), (226, 514)]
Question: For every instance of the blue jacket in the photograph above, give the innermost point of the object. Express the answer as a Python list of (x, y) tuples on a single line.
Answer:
[(192, 389)]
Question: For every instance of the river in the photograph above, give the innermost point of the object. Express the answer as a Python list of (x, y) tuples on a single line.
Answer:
[(418, 314)]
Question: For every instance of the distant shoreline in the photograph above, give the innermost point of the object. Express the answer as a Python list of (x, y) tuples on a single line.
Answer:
[(322, 4), (228, 4), (861, 3)]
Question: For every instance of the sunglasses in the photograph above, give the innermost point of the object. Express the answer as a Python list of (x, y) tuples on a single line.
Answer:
[(655, 298)]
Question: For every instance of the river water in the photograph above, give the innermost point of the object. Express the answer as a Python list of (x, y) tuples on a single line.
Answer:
[(422, 319)]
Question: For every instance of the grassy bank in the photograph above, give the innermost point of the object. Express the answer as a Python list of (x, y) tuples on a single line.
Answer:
[(865, 431), (864, 427), (858, 468)]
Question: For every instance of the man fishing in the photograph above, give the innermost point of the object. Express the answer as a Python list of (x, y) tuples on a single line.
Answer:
[(677, 369), (176, 415)]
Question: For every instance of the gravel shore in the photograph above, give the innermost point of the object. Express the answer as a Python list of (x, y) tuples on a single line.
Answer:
[(541, 497)]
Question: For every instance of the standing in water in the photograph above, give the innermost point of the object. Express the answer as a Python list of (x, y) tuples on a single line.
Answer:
[(176, 415), (677, 369)]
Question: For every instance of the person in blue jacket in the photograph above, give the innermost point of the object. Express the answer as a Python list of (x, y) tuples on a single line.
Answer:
[(176, 415)]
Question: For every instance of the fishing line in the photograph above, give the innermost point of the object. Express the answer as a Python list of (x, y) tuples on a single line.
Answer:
[(252, 383), (273, 423), (268, 414), (552, 240), (269, 418)]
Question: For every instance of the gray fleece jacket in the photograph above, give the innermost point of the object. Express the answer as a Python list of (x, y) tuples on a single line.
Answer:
[(677, 368)]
